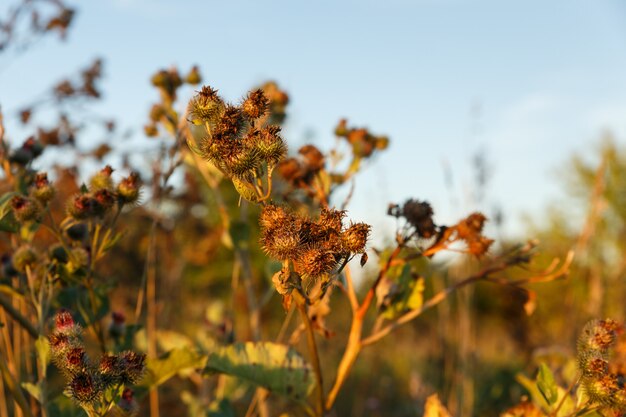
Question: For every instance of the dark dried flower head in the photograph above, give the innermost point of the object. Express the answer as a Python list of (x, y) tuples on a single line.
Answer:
[(84, 387), (82, 207), (25, 209), (231, 125), (317, 261), (127, 403), (110, 365), (355, 237), (128, 189), (255, 105), (105, 200), (419, 215), (59, 342), (77, 231), (132, 366), (75, 359)]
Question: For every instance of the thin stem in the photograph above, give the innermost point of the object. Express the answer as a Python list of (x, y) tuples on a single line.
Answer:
[(301, 305), (12, 386)]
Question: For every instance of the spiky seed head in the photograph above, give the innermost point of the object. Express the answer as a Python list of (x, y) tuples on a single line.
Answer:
[(79, 258), (205, 107), (132, 366), (84, 387), (232, 123), (332, 219), (355, 237), (42, 191), (102, 180), (273, 216), (59, 342), (282, 242), (598, 336), (317, 261), (82, 207), (64, 322), (25, 209), (128, 189), (75, 359), (24, 257), (255, 105), (270, 145), (471, 226), (242, 163)]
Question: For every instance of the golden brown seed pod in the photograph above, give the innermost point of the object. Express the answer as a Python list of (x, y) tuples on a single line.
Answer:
[(355, 237), (273, 216), (479, 246), (282, 243), (255, 105), (270, 145), (243, 163), (332, 219), (42, 191), (151, 130), (102, 180), (205, 107), (291, 170), (156, 112), (597, 336), (316, 261)]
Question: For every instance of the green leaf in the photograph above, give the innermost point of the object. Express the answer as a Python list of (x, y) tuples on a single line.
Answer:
[(278, 368), (33, 389), (175, 362), (43, 354), (8, 223), (546, 384), (409, 294), (245, 190)]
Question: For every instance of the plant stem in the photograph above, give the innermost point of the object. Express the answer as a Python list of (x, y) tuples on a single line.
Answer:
[(301, 305), (18, 317), (12, 386)]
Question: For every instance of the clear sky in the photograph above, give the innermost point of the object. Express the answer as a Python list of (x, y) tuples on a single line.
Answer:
[(524, 82)]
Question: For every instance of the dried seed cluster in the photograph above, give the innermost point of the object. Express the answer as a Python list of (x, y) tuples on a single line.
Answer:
[(419, 219), (363, 143), (103, 194), (87, 380), (231, 139), (316, 247), (602, 362)]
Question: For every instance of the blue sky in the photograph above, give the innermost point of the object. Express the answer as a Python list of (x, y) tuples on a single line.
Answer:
[(524, 82)]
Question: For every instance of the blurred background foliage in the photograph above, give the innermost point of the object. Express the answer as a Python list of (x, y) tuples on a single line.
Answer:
[(469, 349)]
